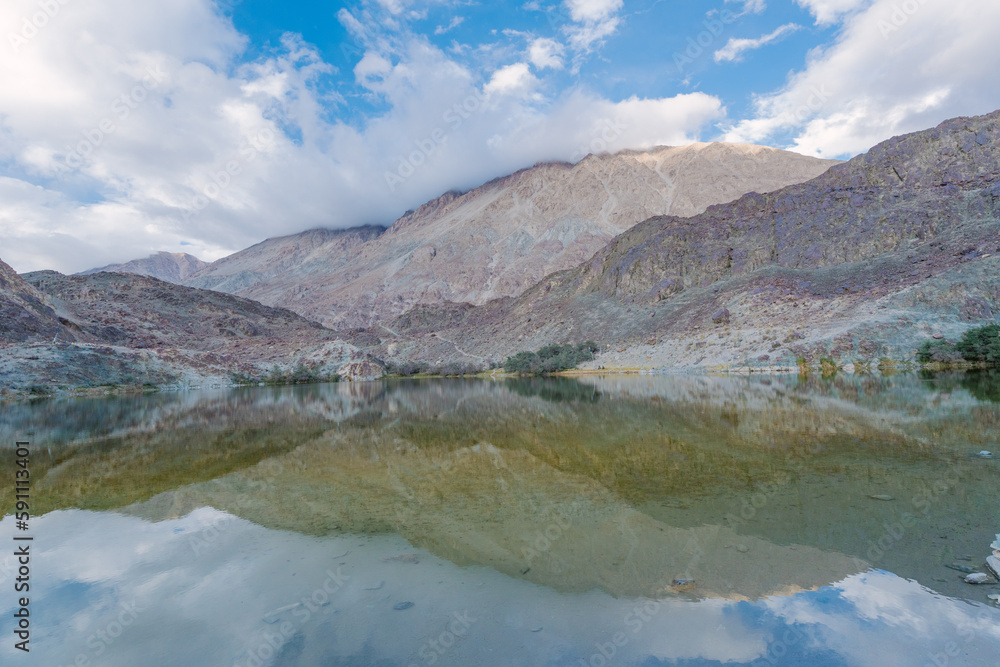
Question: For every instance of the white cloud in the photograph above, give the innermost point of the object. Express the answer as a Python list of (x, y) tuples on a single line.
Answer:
[(454, 23), (888, 72), (583, 37), (735, 48), (593, 21), (544, 52), (131, 127), (516, 78), (752, 6), (830, 11), (591, 11)]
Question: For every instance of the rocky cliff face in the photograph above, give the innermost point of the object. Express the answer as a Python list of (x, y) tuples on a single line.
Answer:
[(174, 267), (499, 239), (24, 315), (864, 260)]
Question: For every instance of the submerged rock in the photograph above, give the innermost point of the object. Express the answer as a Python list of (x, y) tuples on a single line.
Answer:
[(961, 568), (400, 606)]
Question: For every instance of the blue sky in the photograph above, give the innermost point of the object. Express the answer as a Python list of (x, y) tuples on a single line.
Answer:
[(648, 54), (206, 126)]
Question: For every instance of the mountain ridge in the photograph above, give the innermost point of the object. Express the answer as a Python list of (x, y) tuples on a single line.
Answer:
[(173, 267), (501, 237), (878, 253)]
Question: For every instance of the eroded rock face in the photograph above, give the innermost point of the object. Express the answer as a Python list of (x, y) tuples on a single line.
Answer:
[(863, 259), (361, 370), (24, 315), (500, 238)]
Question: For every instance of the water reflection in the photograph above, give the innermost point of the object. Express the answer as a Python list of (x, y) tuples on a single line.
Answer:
[(213, 589), (571, 498)]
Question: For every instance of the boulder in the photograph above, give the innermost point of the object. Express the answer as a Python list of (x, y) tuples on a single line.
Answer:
[(721, 316), (360, 370)]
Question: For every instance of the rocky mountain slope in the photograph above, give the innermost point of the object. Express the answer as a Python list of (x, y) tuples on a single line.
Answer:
[(24, 316), (498, 239), (268, 270), (861, 262), (174, 267), (123, 329)]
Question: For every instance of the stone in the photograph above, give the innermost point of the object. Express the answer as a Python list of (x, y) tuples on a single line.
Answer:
[(977, 578), (356, 371), (721, 316), (993, 565)]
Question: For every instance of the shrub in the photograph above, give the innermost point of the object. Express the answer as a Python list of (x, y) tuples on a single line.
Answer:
[(301, 374), (981, 344), (938, 352), (551, 358), (827, 366)]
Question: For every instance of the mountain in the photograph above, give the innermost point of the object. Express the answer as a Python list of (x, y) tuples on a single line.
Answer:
[(862, 262), (24, 315), (123, 329), (174, 267), (265, 271), (500, 238)]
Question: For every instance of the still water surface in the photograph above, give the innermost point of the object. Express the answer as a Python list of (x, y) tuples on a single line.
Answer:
[(604, 521)]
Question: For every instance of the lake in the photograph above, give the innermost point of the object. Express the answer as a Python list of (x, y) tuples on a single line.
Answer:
[(614, 520)]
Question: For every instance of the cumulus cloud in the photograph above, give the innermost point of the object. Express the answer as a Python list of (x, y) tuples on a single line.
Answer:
[(546, 53), (127, 128), (592, 10), (888, 71), (516, 78), (735, 48)]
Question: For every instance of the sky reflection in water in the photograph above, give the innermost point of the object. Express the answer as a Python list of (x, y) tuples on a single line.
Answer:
[(165, 579)]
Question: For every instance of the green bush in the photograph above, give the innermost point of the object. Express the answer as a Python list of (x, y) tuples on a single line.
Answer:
[(551, 358), (981, 344), (301, 374), (938, 352)]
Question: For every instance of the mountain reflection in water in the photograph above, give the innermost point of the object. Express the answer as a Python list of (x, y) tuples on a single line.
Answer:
[(798, 521)]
